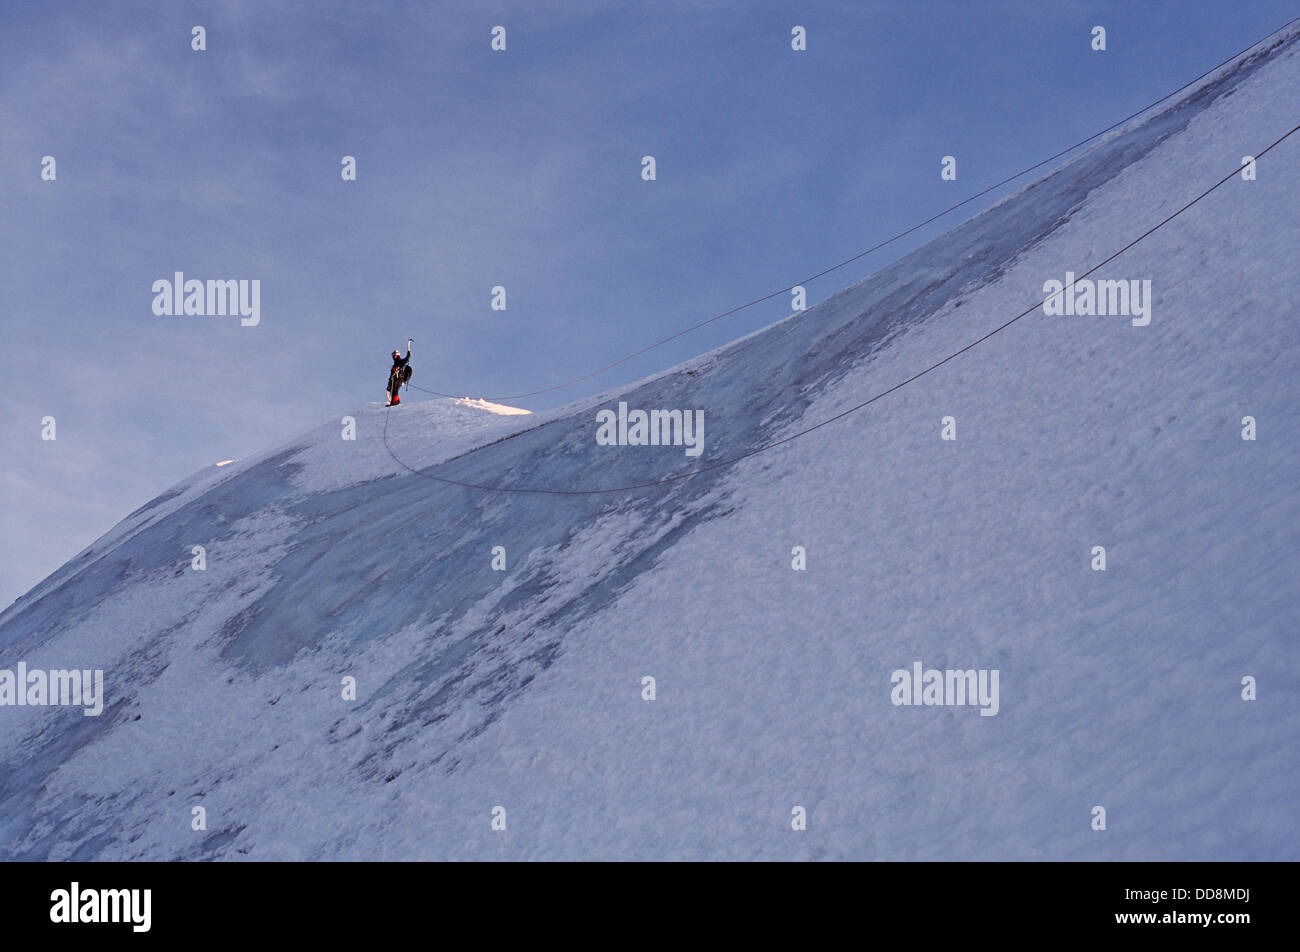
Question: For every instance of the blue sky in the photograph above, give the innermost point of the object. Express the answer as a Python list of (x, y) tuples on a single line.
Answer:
[(476, 169)]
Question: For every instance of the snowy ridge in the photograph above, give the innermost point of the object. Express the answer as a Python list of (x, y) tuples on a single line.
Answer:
[(522, 687)]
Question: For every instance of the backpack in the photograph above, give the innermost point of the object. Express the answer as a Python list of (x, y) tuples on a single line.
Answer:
[(406, 373)]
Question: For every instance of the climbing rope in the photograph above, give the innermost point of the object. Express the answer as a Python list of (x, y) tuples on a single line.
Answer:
[(841, 415), (862, 254)]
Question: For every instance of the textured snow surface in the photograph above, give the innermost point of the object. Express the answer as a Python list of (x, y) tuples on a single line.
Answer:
[(522, 688)]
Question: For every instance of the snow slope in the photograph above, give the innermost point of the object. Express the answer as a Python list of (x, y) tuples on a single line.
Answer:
[(522, 688)]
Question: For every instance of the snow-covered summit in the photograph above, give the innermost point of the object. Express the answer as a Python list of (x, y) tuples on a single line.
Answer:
[(500, 642)]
